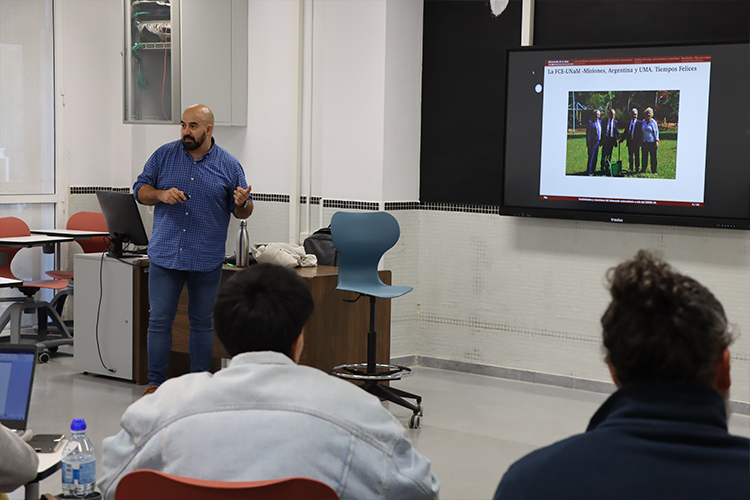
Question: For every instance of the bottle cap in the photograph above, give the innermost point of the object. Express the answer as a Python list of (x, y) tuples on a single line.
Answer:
[(78, 425)]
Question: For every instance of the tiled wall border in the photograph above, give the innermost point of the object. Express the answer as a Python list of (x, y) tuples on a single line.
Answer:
[(314, 200), (279, 198), (452, 207), (345, 204), (351, 205), (401, 205), (93, 190)]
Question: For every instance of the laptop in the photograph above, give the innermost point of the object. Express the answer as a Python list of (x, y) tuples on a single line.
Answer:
[(17, 365)]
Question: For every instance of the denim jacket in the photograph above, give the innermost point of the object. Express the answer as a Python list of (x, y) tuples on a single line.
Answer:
[(265, 417)]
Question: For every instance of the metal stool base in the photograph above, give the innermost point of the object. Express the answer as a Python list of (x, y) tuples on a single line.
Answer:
[(358, 371)]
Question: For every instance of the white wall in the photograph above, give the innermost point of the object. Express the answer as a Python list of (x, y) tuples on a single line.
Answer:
[(266, 146), (349, 71), (403, 100), (96, 145), (348, 94), (528, 294)]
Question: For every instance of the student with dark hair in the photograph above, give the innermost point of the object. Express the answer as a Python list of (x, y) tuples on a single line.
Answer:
[(663, 433), (264, 416)]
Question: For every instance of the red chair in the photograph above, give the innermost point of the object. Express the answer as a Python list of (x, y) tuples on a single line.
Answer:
[(151, 485), (82, 221), (10, 227)]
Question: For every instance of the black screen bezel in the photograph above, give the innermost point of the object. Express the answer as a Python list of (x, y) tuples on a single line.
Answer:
[(714, 216)]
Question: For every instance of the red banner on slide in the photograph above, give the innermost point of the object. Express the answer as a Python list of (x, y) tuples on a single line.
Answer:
[(628, 60), (623, 200)]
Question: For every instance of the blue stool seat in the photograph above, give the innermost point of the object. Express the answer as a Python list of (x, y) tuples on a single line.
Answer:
[(361, 240)]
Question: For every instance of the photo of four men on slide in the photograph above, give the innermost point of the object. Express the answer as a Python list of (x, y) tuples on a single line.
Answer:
[(599, 122)]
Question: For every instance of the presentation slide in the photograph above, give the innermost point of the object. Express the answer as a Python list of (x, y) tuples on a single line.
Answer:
[(625, 130), (5, 370)]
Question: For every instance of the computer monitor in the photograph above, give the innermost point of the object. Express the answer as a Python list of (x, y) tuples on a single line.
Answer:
[(696, 95), (123, 220), (17, 363)]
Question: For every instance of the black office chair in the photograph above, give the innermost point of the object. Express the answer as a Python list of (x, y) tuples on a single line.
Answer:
[(361, 240)]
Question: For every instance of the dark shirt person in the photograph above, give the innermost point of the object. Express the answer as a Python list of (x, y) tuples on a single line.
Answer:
[(663, 433), (593, 141), (610, 135), (195, 186), (633, 135)]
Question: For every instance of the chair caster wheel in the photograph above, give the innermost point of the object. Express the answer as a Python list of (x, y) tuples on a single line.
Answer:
[(44, 356), (414, 422), (420, 410)]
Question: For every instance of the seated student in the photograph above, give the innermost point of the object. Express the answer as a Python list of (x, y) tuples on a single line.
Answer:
[(18, 461), (264, 416), (663, 434)]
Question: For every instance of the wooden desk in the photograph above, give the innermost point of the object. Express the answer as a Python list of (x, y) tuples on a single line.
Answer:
[(335, 334)]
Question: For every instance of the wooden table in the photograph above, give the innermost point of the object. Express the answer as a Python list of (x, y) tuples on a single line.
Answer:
[(336, 333)]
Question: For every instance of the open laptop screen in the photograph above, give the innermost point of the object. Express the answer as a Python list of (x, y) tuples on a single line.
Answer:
[(17, 363)]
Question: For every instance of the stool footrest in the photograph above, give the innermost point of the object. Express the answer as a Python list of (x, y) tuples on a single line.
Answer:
[(358, 371)]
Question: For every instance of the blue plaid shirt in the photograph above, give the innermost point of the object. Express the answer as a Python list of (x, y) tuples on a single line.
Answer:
[(191, 236)]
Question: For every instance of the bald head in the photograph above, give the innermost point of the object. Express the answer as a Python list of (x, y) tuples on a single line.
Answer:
[(197, 129), (201, 112)]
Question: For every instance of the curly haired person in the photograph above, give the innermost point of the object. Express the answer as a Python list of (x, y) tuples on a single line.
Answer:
[(663, 433)]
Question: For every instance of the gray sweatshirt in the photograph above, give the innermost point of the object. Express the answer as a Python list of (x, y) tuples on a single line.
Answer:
[(18, 461)]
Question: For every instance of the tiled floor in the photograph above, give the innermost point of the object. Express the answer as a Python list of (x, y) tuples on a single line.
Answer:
[(473, 428)]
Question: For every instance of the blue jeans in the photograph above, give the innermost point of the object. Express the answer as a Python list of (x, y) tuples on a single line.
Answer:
[(164, 288)]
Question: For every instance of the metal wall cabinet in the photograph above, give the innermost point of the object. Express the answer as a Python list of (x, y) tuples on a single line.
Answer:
[(151, 58), (183, 52)]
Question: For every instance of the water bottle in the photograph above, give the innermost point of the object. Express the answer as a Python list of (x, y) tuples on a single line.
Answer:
[(242, 251), (78, 463)]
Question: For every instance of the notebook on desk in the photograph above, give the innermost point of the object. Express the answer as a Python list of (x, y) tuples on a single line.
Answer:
[(17, 365)]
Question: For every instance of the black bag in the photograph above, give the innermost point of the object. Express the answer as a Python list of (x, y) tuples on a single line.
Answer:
[(321, 245)]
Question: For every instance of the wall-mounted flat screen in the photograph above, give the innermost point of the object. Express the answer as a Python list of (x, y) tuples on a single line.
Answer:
[(655, 135)]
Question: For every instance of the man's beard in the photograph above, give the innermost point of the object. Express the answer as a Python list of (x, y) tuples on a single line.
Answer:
[(194, 144)]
